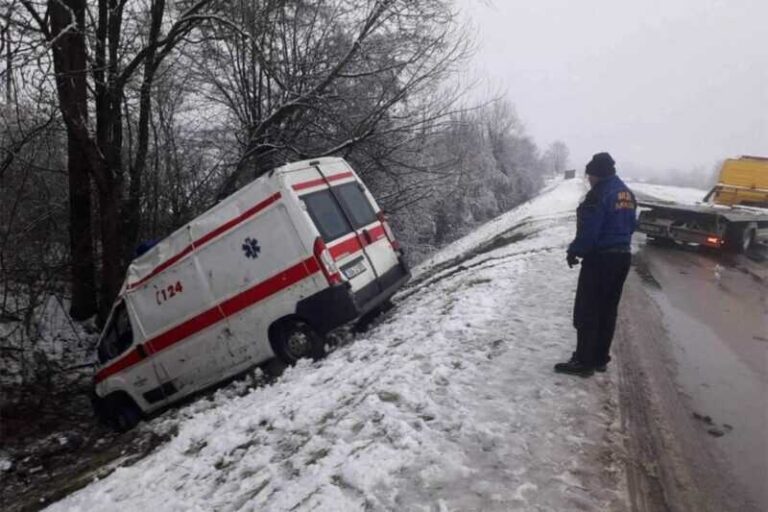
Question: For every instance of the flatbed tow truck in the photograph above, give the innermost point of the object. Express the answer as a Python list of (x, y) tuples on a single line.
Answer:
[(733, 215)]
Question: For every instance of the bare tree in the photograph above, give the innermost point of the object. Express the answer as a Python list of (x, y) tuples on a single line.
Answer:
[(96, 55), (306, 79), (478, 166), (556, 157)]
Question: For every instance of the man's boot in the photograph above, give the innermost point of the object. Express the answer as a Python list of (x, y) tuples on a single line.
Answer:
[(600, 367), (574, 367)]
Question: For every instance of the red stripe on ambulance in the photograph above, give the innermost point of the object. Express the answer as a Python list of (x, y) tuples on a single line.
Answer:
[(131, 358), (211, 316), (377, 233), (356, 243), (346, 247), (196, 244), (321, 181)]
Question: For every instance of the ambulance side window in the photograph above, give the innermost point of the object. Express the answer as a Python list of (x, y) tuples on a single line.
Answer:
[(356, 204), (326, 214), (118, 336)]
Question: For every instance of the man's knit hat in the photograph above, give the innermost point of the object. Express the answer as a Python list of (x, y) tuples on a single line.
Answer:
[(601, 165)]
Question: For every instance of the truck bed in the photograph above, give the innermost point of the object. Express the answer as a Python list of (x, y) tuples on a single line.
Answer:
[(730, 213)]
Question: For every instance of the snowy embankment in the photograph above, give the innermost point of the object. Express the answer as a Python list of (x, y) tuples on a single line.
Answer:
[(54, 350), (449, 403)]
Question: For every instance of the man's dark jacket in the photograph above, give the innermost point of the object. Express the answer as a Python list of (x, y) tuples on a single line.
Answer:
[(605, 219)]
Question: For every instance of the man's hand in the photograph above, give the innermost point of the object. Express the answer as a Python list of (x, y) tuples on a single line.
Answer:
[(572, 260)]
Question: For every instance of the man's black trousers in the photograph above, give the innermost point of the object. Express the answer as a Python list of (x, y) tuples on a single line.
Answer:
[(601, 280)]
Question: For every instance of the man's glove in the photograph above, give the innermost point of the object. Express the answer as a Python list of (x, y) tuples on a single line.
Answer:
[(572, 260)]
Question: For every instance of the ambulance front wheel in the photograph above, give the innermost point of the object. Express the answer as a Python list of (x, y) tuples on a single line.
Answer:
[(119, 412), (294, 340)]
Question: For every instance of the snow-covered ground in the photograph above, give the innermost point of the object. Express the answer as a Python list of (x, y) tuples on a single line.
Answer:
[(53, 346), (449, 403)]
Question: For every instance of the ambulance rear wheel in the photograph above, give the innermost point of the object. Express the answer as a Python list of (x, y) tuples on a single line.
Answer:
[(296, 340)]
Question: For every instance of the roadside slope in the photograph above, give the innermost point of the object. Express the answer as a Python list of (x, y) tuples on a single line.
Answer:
[(449, 403)]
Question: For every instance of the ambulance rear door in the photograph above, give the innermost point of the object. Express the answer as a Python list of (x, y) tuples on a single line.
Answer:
[(346, 217)]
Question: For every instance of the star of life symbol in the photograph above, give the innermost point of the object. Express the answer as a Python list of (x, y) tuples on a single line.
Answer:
[(251, 248)]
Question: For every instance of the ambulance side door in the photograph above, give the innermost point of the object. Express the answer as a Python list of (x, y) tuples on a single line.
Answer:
[(186, 332)]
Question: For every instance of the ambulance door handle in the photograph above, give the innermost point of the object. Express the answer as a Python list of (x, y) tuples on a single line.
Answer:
[(141, 350), (367, 235)]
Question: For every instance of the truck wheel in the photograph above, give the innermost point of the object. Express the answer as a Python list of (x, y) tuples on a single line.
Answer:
[(660, 241), (747, 239), (740, 238), (296, 340)]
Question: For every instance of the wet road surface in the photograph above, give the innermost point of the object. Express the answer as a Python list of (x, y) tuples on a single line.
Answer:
[(714, 309)]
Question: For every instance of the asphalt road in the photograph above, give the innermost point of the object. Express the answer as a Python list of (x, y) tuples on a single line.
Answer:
[(696, 345)]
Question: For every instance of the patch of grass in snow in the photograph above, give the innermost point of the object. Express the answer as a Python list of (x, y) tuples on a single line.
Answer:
[(250, 494), (196, 447), (317, 455), (388, 396), (477, 281)]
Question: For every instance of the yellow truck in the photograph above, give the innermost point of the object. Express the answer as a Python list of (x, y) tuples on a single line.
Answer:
[(733, 215)]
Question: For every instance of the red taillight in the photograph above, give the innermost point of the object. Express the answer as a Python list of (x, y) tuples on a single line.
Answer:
[(713, 240), (388, 230), (326, 263)]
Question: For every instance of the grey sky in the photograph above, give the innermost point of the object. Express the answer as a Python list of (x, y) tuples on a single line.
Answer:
[(676, 83)]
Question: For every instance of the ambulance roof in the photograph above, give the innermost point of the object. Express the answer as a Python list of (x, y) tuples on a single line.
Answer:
[(179, 243)]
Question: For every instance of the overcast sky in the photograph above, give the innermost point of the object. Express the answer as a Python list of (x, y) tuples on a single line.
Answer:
[(661, 84)]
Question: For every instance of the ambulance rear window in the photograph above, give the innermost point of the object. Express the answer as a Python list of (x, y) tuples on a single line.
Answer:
[(118, 336), (356, 204), (327, 215)]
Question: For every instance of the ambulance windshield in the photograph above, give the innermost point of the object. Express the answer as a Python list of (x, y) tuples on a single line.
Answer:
[(118, 335)]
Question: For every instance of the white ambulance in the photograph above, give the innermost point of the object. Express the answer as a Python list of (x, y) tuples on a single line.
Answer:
[(263, 274)]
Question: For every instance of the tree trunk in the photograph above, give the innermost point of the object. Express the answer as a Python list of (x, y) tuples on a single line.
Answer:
[(69, 57), (132, 211), (111, 249), (80, 234)]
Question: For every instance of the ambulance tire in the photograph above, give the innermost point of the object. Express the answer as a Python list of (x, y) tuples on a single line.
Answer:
[(122, 414), (294, 339)]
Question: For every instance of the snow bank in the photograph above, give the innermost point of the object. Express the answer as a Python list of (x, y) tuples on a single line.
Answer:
[(558, 199), (51, 346), (449, 403)]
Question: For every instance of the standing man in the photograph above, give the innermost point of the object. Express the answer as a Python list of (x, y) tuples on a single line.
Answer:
[(605, 221)]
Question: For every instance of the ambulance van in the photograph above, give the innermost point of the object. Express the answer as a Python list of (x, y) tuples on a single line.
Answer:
[(264, 274)]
